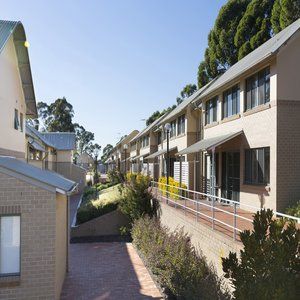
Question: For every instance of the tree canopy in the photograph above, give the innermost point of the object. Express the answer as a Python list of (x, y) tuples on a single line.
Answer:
[(240, 27), (84, 138), (106, 152)]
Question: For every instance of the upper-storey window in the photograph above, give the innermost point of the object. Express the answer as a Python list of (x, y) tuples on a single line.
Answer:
[(173, 129), (145, 141), (16, 120), (181, 125), (9, 245), (258, 89), (211, 111), (21, 122), (159, 138), (231, 101)]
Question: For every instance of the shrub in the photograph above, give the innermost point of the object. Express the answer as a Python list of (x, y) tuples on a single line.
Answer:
[(136, 200), (90, 192), (294, 210), (179, 269), (115, 176), (270, 261), (173, 188)]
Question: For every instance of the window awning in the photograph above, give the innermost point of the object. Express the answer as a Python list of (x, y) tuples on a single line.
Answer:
[(209, 143), (160, 152), (140, 156), (37, 146)]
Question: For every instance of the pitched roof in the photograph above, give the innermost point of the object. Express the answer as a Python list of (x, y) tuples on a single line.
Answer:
[(44, 176), (61, 140), (57, 140), (263, 52), (16, 30)]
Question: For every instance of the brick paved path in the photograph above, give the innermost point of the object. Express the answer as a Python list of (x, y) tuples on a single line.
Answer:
[(107, 271)]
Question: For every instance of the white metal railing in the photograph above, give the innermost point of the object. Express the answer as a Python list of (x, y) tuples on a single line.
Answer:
[(192, 201)]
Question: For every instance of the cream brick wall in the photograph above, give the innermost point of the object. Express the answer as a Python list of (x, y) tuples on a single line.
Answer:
[(38, 232)]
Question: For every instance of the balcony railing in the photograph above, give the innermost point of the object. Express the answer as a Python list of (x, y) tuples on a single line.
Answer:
[(226, 216)]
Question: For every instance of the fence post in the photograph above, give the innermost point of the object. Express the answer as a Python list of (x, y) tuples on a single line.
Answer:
[(184, 206), (197, 205), (213, 213), (234, 222)]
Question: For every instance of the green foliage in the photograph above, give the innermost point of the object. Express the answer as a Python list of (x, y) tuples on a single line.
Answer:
[(294, 210), (284, 13), (179, 269), (136, 200), (84, 139), (57, 116), (254, 27), (106, 152), (269, 264), (114, 176), (97, 201), (173, 188)]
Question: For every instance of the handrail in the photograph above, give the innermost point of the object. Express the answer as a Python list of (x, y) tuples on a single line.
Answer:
[(211, 205)]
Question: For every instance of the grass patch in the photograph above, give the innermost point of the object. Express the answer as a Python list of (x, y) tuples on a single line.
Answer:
[(98, 203)]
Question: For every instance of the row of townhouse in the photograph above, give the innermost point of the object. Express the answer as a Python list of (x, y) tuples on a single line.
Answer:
[(34, 199), (238, 136)]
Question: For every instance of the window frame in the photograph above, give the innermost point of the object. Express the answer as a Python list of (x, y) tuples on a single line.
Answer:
[(252, 161), (15, 273), (21, 122), (255, 84), (211, 110), (173, 130), (16, 120), (181, 125), (235, 102)]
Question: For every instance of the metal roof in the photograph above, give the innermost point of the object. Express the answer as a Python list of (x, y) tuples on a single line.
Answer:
[(16, 30), (160, 152), (140, 156), (44, 176), (35, 145), (263, 52), (184, 104), (209, 143), (31, 131), (148, 128), (61, 140)]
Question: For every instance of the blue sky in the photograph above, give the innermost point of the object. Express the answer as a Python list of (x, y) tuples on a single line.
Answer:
[(115, 61)]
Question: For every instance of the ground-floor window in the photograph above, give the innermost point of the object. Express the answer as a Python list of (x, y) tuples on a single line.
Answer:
[(257, 166), (9, 245)]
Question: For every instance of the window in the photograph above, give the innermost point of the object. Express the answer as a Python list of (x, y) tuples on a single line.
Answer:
[(257, 166), (173, 129), (16, 120), (21, 122), (258, 89), (9, 245), (145, 141), (181, 125), (231, 101), (159, 138), (211, 111)]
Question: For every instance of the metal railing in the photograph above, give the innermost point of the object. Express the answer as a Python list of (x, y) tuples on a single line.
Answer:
[(211, 208)]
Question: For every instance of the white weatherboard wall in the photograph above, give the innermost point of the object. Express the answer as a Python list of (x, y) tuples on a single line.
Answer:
[(184, 172)]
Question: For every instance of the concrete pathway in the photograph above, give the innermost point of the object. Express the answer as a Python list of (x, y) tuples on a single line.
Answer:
[(111, 271)]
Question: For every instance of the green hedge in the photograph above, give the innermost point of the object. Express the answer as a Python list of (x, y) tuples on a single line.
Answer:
[(180, 270)]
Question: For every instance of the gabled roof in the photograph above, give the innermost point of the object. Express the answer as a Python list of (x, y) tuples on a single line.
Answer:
[(184, 104), (43, 176), (57, 140), (16, 30), (61, 140), (148, 128), (266, 50)]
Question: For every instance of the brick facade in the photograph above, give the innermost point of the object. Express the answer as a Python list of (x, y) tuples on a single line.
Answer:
[(37, 208)]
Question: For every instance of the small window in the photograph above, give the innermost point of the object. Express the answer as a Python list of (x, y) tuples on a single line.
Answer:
[(181, 125), (231, 102), (173, 129), (258, 89), (16, 120), (159, 138), (9, 245), (257, 166), (21, 122), (211, 111)]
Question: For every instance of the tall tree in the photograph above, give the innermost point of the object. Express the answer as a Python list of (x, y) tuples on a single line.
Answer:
[(84, 138), (57, 116), (106, 152), (255, 27), (284, 13), (94, 151), (221, 52), (186, 92)]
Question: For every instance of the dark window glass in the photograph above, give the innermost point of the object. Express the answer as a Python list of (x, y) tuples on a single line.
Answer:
[(159, 138), (258, 89), (257, 166), (211, 111), (16, 120), (181, 125), (231, 102), (173, 129), (21, 122)]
